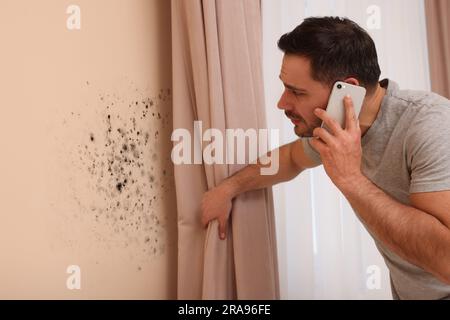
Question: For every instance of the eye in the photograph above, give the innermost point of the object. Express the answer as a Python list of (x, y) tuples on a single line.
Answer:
[(296, 93)]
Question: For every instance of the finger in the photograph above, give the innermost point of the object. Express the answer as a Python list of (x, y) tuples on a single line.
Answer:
[(350, 115), (332, 124), (222, 229), (204, 219), (318, 145), (324, 136), (205, 223)]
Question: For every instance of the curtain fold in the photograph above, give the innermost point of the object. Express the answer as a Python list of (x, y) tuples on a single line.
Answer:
[(217, 79), (438, 32)]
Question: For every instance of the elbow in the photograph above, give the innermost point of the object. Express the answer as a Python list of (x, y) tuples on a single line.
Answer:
[(446, 276), (446, 279), (439, 268), (444, 272)]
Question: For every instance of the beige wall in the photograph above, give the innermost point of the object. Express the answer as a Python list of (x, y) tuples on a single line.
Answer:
[(79, 187)]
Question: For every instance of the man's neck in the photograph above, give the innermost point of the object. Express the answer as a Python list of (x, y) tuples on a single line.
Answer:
[(370, 108)]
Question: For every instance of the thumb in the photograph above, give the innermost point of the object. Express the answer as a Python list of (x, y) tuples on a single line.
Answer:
[(223, 226)]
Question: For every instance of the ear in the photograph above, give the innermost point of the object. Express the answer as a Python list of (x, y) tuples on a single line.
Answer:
[(353, 81)]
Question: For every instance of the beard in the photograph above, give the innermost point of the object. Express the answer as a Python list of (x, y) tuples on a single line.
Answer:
[(301, 128), (302, 131)]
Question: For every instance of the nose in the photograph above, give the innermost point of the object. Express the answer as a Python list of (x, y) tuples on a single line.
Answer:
[(284, 103)]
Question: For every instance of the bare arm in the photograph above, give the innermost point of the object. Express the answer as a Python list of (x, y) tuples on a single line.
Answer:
[(292, 162), (418, 233), (217, 202)]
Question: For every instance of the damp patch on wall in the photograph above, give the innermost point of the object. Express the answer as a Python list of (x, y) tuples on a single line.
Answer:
[(116, 151)]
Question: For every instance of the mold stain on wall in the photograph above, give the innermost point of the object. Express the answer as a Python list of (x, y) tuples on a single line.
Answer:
[(121, 174)]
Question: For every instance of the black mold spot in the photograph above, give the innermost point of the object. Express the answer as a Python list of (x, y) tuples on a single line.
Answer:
[(122, 152)]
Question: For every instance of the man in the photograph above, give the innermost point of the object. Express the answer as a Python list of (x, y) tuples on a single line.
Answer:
[(393, 165)]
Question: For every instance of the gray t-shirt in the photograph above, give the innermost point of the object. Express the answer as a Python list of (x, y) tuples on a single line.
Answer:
[(407, 150)]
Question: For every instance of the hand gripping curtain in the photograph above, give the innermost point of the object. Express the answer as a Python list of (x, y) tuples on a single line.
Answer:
[(217, 79)]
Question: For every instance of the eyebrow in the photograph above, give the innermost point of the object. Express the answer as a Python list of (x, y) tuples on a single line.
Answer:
[(291, 87)]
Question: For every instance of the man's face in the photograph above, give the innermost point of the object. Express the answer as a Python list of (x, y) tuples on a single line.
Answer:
[(302, 95)]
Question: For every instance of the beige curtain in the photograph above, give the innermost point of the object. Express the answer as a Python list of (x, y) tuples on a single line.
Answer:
[(438, 31), (217, 79)]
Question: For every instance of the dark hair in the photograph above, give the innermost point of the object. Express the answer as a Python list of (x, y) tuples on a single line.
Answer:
[(337, 48)]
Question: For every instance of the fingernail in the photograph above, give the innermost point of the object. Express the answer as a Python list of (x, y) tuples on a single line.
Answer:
[(222, 236)]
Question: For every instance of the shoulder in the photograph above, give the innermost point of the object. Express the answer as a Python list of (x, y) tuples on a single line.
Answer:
[(305, 155), (427, 111), (423, 102), (429, 129)]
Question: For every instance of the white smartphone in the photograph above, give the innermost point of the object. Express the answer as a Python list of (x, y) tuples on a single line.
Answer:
[(335, 107)]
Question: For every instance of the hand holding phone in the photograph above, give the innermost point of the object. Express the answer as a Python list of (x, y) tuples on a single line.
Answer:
[(335, 107)]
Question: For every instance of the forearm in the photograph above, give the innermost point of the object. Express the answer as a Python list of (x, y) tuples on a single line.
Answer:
[(250, 177), (412, 234)]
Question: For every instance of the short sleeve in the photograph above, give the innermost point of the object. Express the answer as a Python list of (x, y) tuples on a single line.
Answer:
[(428, 150), (313, 155)]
